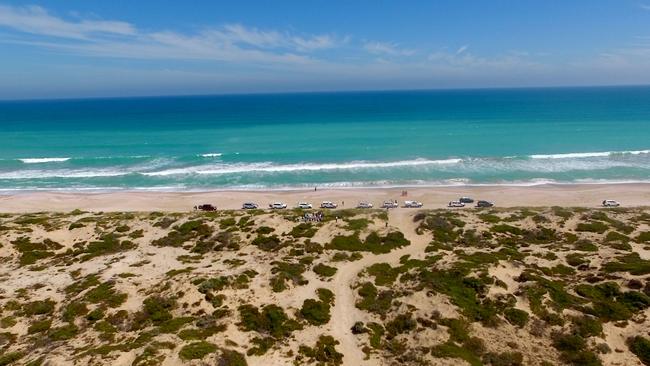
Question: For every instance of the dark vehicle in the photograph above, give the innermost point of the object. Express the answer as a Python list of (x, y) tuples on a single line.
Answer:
[(466, 200), (249, 206), (206, 207), (482, 203)]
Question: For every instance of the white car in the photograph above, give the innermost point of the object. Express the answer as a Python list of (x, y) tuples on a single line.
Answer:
[(327, 204), (389, 204), (610, 203), (249, 206), (304, 205), (364, 205), (412, 204), (456, 204), (277, 205)]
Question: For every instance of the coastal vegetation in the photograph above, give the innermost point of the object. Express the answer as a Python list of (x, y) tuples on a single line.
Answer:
[(538, 286)]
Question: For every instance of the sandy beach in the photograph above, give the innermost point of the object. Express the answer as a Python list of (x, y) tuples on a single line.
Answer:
[(587, 195)]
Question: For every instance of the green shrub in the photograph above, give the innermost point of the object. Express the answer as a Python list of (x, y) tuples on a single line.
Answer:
[(315, 312), (374, 301), (197, 350), (268, 243), (516, 317), (39, 307), (357, 224), (640, 346), (373, 243), (231, 358), (631, 263), (63, 332), (105, 293), (324, 352), (303, 230), (271, 320), (39, 326), (643, 237), (592, 227), (586, 326), (403, 323), (324, 270), (10, 357)]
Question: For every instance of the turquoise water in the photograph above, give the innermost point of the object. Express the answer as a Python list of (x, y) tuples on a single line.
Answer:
[(504, 136)]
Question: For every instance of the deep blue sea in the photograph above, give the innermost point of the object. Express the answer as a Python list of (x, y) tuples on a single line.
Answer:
[(355, 139)]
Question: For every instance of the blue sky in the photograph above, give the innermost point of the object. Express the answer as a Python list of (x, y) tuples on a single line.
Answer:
[(84, 48)]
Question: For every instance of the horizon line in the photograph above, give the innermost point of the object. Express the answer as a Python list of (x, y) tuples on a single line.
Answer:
[(332, 91)]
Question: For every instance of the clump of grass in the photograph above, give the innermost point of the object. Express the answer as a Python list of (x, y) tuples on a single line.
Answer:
[(610, 303), (39, 326), (643, 237), (373, 300), (39, 307), (230, 357), (107, 244), (31, 252), (183, 233), (286, 271), (631, 263), (373, 243), (640, 346), (324, 270), (592, 227), (270, 321), (268, 243), (197, 350), (573, 350), (106, 294), (516, 317), (303, 230), (323, 352), (357, 224)]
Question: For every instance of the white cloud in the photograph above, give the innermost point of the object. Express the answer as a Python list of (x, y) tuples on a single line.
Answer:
[(387, 48), (645, 6), (462, 49), (230, 42), (36, 20)]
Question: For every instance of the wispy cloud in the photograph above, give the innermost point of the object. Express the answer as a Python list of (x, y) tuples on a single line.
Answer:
[(387, 48), (36, 20), (645, 6), (109, 38), (461, 49)]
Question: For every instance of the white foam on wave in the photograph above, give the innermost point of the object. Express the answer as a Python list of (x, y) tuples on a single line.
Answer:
[(41, 174), (211, 155), (43, 160), (271, 168), (588, 154)]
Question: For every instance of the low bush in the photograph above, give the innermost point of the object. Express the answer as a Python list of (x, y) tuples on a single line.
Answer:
[(197, 350)]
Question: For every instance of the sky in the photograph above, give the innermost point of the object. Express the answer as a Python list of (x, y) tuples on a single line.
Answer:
[(88, 48)]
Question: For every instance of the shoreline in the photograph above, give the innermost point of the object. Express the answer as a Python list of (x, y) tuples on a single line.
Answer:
[(575, 195)]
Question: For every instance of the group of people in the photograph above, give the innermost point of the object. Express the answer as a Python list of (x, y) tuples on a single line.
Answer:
[(313, 217)]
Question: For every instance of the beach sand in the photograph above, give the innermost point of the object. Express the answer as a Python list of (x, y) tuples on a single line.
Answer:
[(586, 195)]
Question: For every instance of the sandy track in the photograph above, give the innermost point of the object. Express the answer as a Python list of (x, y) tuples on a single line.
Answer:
[(345, 313)]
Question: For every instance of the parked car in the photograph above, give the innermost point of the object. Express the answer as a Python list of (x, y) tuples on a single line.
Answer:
[(610, 203), (456, 204), (206, 207), (328, 204), (277, 206), (389, 204), (482, 203), (412, 204), (364, 205), (249, 206), (304, 205), (466, 200)]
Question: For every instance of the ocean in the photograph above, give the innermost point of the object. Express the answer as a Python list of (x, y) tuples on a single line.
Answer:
[(346, 139)]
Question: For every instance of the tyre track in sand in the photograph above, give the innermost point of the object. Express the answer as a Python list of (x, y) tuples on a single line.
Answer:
[(344, 312)]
